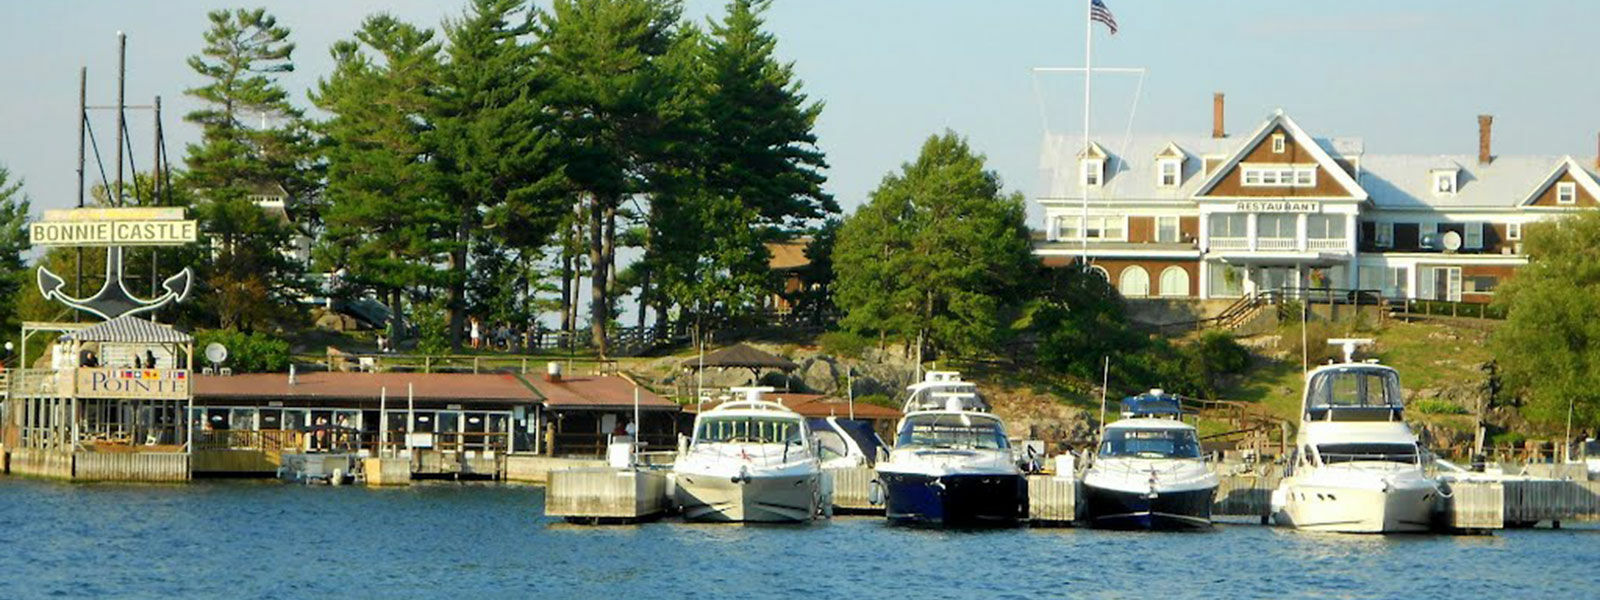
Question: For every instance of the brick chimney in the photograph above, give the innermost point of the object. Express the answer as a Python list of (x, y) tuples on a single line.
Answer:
[(1216, 116), (1485, 124)]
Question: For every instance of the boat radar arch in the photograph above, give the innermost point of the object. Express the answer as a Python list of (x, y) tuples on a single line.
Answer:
[(753, 394), (1349, 346)]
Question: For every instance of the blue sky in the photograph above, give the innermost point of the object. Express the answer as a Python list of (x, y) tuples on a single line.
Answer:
[(1408, 77)]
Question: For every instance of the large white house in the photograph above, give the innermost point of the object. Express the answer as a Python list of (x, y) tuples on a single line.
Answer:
[(1215, 216)]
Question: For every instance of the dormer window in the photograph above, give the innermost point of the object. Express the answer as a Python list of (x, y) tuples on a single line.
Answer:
[(1168, 172), (1094, 172), (1566, 193), (1444, 183), (1277, 143)]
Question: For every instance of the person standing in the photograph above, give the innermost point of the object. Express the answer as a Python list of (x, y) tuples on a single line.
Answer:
[(476, 339)]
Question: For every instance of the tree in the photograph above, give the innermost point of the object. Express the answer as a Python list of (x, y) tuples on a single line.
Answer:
[(386, 223), (252, 281), (939, 252), (599, 59), (1548, 350), (495, 146), (13, 245)]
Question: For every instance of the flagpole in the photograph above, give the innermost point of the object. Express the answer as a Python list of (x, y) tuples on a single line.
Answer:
[(1088, 74)]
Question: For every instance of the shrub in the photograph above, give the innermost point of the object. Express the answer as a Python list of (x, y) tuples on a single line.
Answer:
[(433, 326), (1435, 406), (255, 352), (845, 343)]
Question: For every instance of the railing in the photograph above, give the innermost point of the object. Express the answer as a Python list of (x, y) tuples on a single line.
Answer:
[(34, 383), (1224, 243), (1277, 244), (595, 443), (475, 363), (1328, 244)]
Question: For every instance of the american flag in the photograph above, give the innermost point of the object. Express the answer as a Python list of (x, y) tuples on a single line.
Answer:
[(1099, 12)]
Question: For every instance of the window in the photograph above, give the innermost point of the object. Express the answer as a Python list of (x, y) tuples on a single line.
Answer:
[(1513, 231), (1396, 282), (1444, 183), (1280, 226), (1150, 443), (1474, 235), (1135, 282), (1281, 176), (1099, 228), (1169, 171), (1383, 234), (1440, 283), (1174, 282), (1277, 143), (1566, 193), (1228, 225), (1101, 271), (1480, 284), (1094, 172), (1325, 227), (1167, 230), (1225, 280), (953, 431)]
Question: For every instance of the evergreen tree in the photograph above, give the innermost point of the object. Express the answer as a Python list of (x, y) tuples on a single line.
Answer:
[(939, 253), (252, 283), (599, 58), (386, 224), (494, 144), (14, 275)]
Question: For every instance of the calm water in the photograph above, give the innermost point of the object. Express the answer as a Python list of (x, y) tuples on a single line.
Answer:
[(266, 540)]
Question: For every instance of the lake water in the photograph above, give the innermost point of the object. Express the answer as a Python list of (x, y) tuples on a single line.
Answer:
[(268, 540)]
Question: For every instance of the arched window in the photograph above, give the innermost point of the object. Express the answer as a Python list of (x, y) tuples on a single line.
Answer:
[(1101, 271), (1135, 282), (1174, 282)]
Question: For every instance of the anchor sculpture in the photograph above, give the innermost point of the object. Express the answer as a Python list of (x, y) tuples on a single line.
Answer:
[(114, 300)]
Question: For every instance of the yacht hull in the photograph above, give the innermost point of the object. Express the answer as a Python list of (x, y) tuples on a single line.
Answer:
[(1122, 509), (771, 499), (955, 500), (1357, 510)]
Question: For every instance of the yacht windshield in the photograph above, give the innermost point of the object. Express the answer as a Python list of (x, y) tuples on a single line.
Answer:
[(953, 431), (1356, 387), (1150, 443), (753, 430), (1388, 452)]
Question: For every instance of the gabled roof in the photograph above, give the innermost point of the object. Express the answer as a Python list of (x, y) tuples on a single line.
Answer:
[(129, 330), (1566, 165), (1171, 151), (1094, 149), (1300, 138), (742, 356), (1128, 178), (1403, 181)]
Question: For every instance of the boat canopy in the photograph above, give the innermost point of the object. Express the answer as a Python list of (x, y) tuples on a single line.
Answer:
[(1154, 403), (859, 431), (1353, 392)]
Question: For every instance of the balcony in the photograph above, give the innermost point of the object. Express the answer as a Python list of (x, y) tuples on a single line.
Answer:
[(1230, 243), (1328, 244), (1277, 244)]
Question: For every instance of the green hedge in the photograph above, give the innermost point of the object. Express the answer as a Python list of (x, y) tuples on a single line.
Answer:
[(247, 352)]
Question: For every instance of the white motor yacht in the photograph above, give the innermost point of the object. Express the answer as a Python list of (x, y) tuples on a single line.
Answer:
[(951, 463), (750, 460), (1149, 472), (1356, 466)]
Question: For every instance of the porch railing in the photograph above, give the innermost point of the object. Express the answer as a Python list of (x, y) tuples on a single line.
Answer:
[(1277, 244), (1230, 243)]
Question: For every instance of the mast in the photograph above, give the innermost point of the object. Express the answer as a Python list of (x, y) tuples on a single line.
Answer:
[(122, 127)]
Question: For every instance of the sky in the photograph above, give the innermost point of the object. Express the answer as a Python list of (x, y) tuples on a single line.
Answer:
[(1407, 77)]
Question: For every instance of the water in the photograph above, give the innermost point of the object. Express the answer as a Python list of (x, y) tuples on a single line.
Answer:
[(268, 540)]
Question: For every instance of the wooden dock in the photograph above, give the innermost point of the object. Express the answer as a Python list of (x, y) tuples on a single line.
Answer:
[(852, 490), (597, 496), (1052, 501)]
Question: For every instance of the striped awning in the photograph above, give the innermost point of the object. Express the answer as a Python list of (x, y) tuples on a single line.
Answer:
[(129, 330)]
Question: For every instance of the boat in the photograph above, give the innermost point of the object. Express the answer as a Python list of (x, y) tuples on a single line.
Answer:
[(951, 463), (1149, 472), (1356, 466), (846, 443), (750, 460)]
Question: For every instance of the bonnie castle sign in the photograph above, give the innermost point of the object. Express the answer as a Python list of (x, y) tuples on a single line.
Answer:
[(114, 228)]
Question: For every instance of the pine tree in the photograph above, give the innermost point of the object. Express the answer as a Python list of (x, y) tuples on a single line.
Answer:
[(14, 275), (252, 282), (387, 226)]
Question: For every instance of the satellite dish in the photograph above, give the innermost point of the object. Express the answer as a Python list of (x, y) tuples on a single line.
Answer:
[(1452, 241), (216, 353)]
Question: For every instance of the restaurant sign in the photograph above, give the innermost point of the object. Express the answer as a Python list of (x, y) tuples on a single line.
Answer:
[(140, 384), (113, 227), (1277, 206)]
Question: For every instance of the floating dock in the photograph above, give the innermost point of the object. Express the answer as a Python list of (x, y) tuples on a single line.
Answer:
[(596, 496)]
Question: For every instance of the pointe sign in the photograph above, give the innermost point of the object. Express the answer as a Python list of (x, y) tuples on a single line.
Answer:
[(113, 227), (146, 384)]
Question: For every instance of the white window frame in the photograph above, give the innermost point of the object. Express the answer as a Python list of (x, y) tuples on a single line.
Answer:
[(1473, 238), (1294, 176), (1383, 234), (1177, 230), (1095, 166), (1278, 145), (1329, 221), (1514, 231), (1170, 293), (1169, 173), (1103, 222), (1566, 192), (1448, 181), (1244, 224), (1125, 278)]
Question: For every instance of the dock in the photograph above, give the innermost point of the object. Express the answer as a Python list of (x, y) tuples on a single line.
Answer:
[(603, 496)]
